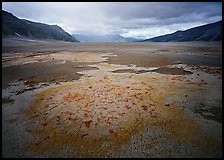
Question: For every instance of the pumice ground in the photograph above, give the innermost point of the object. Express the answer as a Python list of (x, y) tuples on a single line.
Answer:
[(111, 99)]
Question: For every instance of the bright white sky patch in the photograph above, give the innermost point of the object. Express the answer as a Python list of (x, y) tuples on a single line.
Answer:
[(158, 30), (130, 19)]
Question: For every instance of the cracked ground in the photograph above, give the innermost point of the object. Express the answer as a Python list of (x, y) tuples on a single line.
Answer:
[(100, 107)]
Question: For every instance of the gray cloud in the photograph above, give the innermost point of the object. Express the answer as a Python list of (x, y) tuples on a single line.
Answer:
[(144, 20), (164, 11)]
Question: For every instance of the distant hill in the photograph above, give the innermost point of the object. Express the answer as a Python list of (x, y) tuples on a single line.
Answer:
[(209, 32), (103, 38), (13, 26)]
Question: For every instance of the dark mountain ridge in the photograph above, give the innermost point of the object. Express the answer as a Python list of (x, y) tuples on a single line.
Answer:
[(208, 32), (13, 26)]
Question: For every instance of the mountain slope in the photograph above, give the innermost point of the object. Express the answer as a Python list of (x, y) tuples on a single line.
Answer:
[(103, 38), (209, 32), (13, 26)]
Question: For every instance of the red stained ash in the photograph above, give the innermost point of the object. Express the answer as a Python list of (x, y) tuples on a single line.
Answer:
[(126, 100), (128, 107), (87, 123), (111, 131), (144, 107), (121, 114)]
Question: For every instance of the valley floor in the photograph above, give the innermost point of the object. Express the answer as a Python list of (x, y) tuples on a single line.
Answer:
[(111, 99)]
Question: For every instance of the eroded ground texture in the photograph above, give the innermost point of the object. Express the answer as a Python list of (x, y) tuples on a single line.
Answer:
[(112, 100)]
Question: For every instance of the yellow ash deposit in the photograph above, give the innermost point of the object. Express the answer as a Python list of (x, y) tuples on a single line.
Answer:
[(94, 117)]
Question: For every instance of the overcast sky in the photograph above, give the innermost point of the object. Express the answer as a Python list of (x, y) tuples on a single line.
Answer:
[(129, 19)]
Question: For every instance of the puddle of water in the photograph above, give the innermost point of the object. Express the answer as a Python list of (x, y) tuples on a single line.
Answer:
[(172, 71), (162, 70), (130, 71)]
